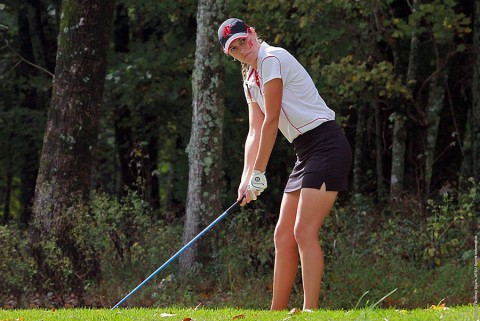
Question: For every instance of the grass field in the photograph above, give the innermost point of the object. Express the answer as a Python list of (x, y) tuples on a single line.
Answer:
[(176, 314)]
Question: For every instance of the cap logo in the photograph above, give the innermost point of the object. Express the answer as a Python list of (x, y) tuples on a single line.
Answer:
[(226, 31)]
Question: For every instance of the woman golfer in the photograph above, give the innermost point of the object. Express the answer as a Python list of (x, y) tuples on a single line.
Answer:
[(281, 95)]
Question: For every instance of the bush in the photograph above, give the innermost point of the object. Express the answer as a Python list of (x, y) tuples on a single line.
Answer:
[(367, 247), (17, 266)]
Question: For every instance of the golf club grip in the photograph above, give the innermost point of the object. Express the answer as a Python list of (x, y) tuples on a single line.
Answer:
[(230, 209)]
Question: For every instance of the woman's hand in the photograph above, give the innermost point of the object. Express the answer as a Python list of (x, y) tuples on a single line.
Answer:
[(258, 183), (246, 194), (252, 188)]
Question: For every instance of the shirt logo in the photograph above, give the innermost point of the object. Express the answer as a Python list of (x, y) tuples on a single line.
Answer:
[(227, 31)]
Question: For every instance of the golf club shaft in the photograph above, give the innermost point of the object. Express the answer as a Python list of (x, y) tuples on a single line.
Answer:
[(231, 208)]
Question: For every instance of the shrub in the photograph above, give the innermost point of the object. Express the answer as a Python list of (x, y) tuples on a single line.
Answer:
[(17, 267)]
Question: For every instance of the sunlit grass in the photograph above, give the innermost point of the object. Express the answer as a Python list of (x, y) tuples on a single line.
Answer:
[(181, 314)]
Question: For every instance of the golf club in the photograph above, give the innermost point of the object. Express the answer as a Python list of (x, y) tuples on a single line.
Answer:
[(218, 219)]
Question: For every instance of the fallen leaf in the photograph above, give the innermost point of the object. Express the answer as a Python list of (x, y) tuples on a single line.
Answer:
[(240, 316), (439, 307), (295, 311), (54, 310), (187, 319)]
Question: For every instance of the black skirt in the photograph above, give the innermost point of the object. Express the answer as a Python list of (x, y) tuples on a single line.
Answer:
[(323, 156)]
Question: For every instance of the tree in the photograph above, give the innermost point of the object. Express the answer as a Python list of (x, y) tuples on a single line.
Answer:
[(63, 184), (475, 119), (36, 35), (205, 146)]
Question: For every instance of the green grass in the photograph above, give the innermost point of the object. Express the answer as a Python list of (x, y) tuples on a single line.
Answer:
[(180, 314)]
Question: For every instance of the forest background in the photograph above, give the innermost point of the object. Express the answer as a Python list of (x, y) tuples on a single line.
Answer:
[(81, 226)]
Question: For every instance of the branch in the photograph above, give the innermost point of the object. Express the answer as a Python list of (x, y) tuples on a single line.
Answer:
[(7, 45), (460, 143)]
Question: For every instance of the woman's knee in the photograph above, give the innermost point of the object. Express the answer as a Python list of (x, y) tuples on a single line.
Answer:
[(305, 235), (284, 238)]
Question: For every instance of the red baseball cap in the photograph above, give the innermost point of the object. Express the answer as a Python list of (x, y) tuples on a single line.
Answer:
[(230, 30)]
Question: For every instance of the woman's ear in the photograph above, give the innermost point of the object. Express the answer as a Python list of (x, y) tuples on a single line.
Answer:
[(252, 31)]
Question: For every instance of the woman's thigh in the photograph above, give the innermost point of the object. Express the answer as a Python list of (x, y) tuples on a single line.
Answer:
[(313, 207), (287, 217)]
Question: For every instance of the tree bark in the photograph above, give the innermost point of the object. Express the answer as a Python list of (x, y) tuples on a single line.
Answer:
[(435, 103), (358, 151), (7, 198), (205, 146), (122, 115), (398, 157), (399, 130), (475, 119), (63, 182), (379, 150), (35, 34)]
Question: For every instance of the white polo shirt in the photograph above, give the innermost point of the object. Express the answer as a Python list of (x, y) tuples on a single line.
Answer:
[(302, 107)]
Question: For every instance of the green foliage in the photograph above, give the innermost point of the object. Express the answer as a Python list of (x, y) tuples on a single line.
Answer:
[(437, 19), (237, 254), (59, 266), (366, 248), (17, 266), (400, 232), (129, 239), (151, 80), (13, 137), (451, 225), (358, 82)]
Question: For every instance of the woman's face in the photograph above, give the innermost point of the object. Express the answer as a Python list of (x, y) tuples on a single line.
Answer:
[(245, 49)]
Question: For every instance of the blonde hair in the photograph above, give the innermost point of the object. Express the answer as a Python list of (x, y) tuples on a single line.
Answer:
[(244, 70)]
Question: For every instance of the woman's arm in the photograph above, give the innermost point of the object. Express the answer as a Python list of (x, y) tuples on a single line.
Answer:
[(273, 104), (255, 121)]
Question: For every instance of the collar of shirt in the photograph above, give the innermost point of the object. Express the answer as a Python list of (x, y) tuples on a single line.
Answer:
[(252, 75)]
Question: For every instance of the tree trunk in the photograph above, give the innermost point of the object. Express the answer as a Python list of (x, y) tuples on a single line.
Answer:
[(475, 119), (42, 31), (7, 199), (398, 157), (122, 115), (379, 149), (63, 182), (398, 147), (434, 107), (124, 142), (205, 146), (152, 184), (358, 152), (399, 130), (33, 40)]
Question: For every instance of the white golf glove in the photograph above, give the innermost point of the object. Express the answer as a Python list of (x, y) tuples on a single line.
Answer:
[(258, 183)]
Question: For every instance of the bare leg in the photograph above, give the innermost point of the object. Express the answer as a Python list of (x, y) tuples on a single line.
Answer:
[(314, 205), (286, 252)]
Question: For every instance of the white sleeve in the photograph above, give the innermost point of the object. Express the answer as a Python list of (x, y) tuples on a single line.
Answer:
[(271, 69)]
